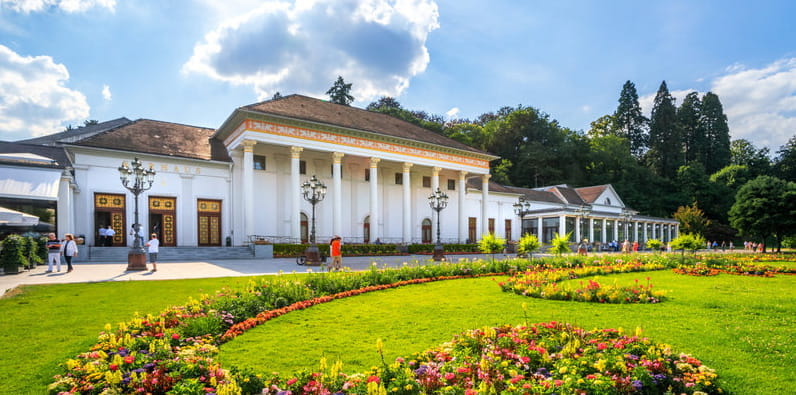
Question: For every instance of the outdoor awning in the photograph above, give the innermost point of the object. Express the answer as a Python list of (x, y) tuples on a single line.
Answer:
[(29, 183), (10, 217)]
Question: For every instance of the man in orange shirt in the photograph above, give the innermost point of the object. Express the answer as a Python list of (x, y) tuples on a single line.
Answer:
[(336, 253)]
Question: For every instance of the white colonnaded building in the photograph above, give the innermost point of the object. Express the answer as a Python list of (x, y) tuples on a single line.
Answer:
[(242, 182)]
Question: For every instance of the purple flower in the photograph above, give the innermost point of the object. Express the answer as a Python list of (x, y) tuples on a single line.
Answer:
[(421, 370), (637, 385)]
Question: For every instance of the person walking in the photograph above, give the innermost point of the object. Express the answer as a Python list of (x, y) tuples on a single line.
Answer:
[(152, 247), (109, 233), (626, 247), (53, 253), (335, 251), (102, 239), (582, 247), (69, 250), (635, 246)]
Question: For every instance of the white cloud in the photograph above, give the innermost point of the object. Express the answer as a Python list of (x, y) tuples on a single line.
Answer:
[(70, 6), (452, 113), (106, 92), (760, 103), (302, 46), (33, 98)]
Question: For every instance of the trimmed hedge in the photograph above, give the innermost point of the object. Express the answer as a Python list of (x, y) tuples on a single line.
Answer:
[(449, 248), (13, 256), (292, 250)]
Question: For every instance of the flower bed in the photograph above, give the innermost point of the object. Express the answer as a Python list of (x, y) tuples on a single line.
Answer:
[(542, 358), (698, 270), (174, 351), (543, 284), (712, 268)]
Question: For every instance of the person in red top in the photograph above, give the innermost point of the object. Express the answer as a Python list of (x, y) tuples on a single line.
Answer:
[(337, 255)]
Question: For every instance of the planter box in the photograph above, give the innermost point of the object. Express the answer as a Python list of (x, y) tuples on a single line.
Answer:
[(12, 269)]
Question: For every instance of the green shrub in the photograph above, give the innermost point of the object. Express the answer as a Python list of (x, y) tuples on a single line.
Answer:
[(13, 256), (42, 244), (200, 326), (560, 244), (490, 244), (528, 244), (654, 244)]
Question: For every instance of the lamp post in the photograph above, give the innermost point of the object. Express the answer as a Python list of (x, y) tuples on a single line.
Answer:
[(627, 215), (583, 212), (438, 201), (314, 191), (136, 179), (522, 208)]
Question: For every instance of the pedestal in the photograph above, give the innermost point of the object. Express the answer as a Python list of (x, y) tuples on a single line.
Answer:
[(136, 260), (313, 256), (439, 253)]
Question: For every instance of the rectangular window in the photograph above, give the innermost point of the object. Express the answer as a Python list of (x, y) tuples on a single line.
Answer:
[(472, 237), (451, 185), (367, 174), (508, 229), (259, 162), (302, 167), (492, 226), (399, 178), (426, 182)]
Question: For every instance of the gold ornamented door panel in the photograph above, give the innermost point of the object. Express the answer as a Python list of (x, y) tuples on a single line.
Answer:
[(162, 219), (110, 208), (209, 218)]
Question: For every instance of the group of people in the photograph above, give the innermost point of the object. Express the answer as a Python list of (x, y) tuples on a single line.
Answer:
[(105, 238), (752, 246), (56, 249), (626, 246)]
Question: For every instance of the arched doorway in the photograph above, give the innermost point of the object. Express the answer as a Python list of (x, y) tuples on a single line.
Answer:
[(426, 231), (305, 238), (366, 230)]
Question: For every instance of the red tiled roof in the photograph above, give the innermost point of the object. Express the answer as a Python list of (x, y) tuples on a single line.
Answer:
[(161, 138), (316, 110), (590, 194)]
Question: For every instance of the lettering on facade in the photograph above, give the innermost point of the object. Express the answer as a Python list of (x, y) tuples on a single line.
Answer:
[(164, 168)]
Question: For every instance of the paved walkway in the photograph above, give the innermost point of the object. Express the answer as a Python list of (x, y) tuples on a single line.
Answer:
[(116, 271)]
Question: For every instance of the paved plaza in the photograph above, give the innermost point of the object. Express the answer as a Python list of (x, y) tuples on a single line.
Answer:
[(116, 271)]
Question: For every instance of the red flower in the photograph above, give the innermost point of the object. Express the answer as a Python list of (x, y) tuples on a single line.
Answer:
[(175, 336), (373, 379), (129, 359), (113, 367)]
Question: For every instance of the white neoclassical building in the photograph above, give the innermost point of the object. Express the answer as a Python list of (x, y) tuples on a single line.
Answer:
[(243, 181)]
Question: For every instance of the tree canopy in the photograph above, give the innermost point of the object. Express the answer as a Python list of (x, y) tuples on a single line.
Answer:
[(765, 206), (340, 92)]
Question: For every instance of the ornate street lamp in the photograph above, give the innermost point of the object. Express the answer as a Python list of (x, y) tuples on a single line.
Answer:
[(583, 212), (522, 208), (314, 191), (136, 179), (627, 216), (438, 201)]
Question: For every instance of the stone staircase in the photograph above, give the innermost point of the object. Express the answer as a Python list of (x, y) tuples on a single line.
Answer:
[(119, 254)]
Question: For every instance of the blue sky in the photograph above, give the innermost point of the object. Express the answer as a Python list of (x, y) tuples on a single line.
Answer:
[(193, 62)]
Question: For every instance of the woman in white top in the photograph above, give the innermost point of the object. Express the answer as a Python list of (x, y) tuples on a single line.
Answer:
[(152, 248), (69, 250)]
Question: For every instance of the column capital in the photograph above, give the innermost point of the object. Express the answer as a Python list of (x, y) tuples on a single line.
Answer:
[(337, 157), (462, 175), (486, 177), (407, 166), (248, 145), (295, 152), (435, 171), (374, 162)]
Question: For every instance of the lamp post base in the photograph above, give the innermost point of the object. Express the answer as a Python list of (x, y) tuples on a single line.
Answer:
[(136, 260), (313, 255), (439, 253)]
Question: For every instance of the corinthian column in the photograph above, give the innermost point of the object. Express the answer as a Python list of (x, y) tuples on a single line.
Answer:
[(484, 203), (337, 193), (374, 199), (407, 189), (462, 215), (248, 186), (295, 193)]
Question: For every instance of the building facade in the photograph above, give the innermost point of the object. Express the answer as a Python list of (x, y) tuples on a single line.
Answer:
[(243, 180)]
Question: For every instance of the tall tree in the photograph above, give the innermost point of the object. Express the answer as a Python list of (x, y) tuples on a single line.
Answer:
[(717, 132), (786, 160), (629, 121), (665, 142), (383, 102), (340, 92), (744, 153), (764, 207), (688, 119), (692, 219)]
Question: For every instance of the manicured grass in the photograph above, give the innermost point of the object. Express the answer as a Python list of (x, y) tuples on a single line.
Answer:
[(45, 325), (742, 326)]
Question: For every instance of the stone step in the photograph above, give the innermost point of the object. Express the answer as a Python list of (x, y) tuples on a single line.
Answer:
[(110, 254)]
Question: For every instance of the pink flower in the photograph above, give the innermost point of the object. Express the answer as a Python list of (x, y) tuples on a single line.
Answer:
[(450, 376)]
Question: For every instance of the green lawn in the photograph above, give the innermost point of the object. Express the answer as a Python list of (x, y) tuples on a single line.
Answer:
[(47, 324), (742, 326)]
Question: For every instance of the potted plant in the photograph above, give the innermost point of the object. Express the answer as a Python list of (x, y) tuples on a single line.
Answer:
[(527, 245), (12, 257)]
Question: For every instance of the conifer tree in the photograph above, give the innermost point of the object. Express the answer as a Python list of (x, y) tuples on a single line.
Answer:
[(665, 142), (340, 92), (629, 121), (688, 118), (717, 133)]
